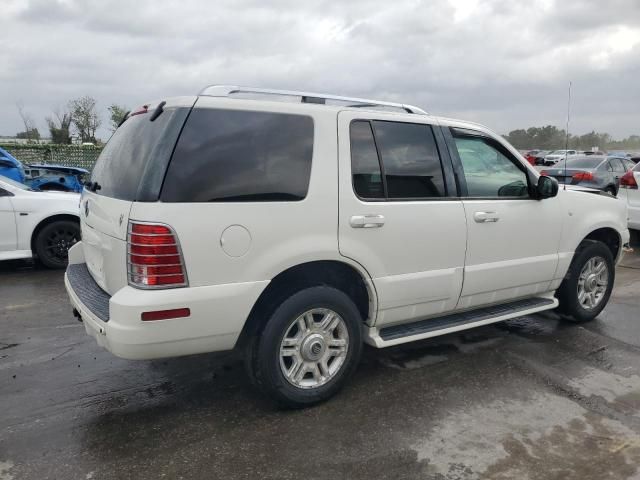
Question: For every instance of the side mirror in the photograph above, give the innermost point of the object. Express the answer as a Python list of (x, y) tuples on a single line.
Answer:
[(547, 187)]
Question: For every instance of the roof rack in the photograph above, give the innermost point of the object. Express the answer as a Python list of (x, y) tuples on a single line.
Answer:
[(305, 97)]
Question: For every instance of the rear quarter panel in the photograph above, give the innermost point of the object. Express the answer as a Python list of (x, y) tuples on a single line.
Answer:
[(280, 234)]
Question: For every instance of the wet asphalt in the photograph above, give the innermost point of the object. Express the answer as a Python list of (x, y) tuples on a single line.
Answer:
[(532, 398)]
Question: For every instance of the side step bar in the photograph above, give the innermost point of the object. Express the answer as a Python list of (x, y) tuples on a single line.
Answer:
[(408, 332)]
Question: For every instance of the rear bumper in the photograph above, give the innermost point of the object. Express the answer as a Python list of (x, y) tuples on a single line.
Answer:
[(218, 314)]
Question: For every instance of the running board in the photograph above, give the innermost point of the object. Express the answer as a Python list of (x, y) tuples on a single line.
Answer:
[(408, 332)]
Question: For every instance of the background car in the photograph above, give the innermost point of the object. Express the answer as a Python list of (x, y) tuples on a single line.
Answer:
[(531, 155), (42, 177), (629, 189), (556, 155), (599, 172), (41, 224)]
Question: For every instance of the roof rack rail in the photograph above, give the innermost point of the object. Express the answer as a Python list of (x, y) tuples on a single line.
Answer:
[(305, 97)]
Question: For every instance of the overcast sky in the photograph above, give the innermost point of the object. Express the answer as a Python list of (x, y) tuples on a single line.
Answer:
[(503, 63)]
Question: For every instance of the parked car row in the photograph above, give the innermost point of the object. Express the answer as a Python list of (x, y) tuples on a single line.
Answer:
[(551, 157)]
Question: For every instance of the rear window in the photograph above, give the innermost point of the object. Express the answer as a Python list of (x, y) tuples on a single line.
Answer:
[(240, 156), (584, 162), (123, 169)]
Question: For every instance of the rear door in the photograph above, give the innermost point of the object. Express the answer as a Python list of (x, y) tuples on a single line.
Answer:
[(512, 239), (398, 215), (130, 168)]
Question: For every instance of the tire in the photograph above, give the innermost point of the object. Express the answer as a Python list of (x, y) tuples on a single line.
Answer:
[(316, 369), (578, 279), (54, 240), (611, 190)]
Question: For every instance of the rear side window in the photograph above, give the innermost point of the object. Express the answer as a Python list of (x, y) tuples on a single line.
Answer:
[(395, 160), (365, 167), (240, 156), (132, 164)]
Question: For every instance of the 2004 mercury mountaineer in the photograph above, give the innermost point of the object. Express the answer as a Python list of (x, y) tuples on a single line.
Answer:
[(297, 226)]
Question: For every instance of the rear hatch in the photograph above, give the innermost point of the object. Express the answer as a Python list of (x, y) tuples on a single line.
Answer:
[(130, 168)]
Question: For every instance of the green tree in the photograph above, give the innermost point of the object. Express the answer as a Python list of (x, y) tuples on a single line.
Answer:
[(85, 118), (116, 115), (59, 127)]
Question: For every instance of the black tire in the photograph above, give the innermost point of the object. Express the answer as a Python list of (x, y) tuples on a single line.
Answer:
[(53, 241), (611, 190), (567, 294), (264, 364)]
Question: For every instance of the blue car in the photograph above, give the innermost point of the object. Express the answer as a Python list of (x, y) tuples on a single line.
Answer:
[(42, 177)]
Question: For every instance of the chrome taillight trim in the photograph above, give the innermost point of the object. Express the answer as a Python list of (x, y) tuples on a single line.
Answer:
[(176, 243)]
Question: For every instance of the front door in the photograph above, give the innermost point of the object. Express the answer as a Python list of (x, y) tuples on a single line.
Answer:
[(399, 217), (8, 237), (512, 239)]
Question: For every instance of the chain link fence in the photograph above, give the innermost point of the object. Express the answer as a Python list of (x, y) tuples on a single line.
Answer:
[(83, 156)]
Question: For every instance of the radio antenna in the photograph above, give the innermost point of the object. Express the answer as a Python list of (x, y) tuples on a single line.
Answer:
[(566, 143)]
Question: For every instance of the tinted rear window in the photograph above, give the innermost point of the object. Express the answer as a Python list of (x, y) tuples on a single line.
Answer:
[(584, 162), (236, 156), (123, 169)]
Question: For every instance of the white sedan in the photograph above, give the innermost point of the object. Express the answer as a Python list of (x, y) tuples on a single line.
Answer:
[(629, 183), (41, 224)]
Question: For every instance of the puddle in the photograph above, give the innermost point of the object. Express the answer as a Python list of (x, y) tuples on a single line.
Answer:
[(545, 436)]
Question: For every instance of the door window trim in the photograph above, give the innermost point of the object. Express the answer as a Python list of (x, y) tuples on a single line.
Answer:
[(451, 132), (443, 156)]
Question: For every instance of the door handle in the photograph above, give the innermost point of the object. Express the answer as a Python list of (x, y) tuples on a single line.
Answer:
[(367, 221), (486, 217)]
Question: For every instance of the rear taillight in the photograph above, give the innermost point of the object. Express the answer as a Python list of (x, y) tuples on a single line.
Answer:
[(628, 181), (583, 176), (154, 257)]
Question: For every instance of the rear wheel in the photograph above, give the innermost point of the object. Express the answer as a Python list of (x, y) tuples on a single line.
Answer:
[(54, 240), (611, 190), (309, 347), (587, 287)]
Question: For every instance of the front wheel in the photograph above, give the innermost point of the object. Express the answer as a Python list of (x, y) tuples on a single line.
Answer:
[(309, 347), (54, 240), (587, 287)]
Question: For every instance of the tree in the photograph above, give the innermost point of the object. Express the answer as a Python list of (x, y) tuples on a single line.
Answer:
[(59, 126), (85, 118), (30, 131), (116, 115)]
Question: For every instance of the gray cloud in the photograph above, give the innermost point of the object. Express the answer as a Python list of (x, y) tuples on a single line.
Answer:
[(502, 63)]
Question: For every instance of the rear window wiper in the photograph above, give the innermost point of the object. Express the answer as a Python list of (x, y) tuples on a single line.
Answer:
[(158, 111)]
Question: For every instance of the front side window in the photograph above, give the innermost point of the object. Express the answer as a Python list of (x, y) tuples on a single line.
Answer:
[(240, 156), (488, 172)]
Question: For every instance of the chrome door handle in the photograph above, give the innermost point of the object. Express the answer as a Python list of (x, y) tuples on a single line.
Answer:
[(367, 221), (486, 217)]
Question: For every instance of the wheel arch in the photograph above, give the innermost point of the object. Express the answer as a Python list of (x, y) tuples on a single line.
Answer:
[(49, 220), (607, 235), (351, 279)]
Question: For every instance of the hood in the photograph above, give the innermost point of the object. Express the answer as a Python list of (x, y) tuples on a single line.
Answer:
[(60, 168)]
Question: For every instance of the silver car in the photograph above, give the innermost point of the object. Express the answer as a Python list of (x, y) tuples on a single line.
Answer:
[(592, 171)]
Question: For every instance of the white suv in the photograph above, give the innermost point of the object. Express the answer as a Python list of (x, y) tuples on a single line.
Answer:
[(297, 226)]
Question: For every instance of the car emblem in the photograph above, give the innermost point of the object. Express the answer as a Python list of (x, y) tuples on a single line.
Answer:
[(86, 208)]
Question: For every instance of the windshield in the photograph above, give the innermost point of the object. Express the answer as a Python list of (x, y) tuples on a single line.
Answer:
[(584, 162), (15, 184)]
